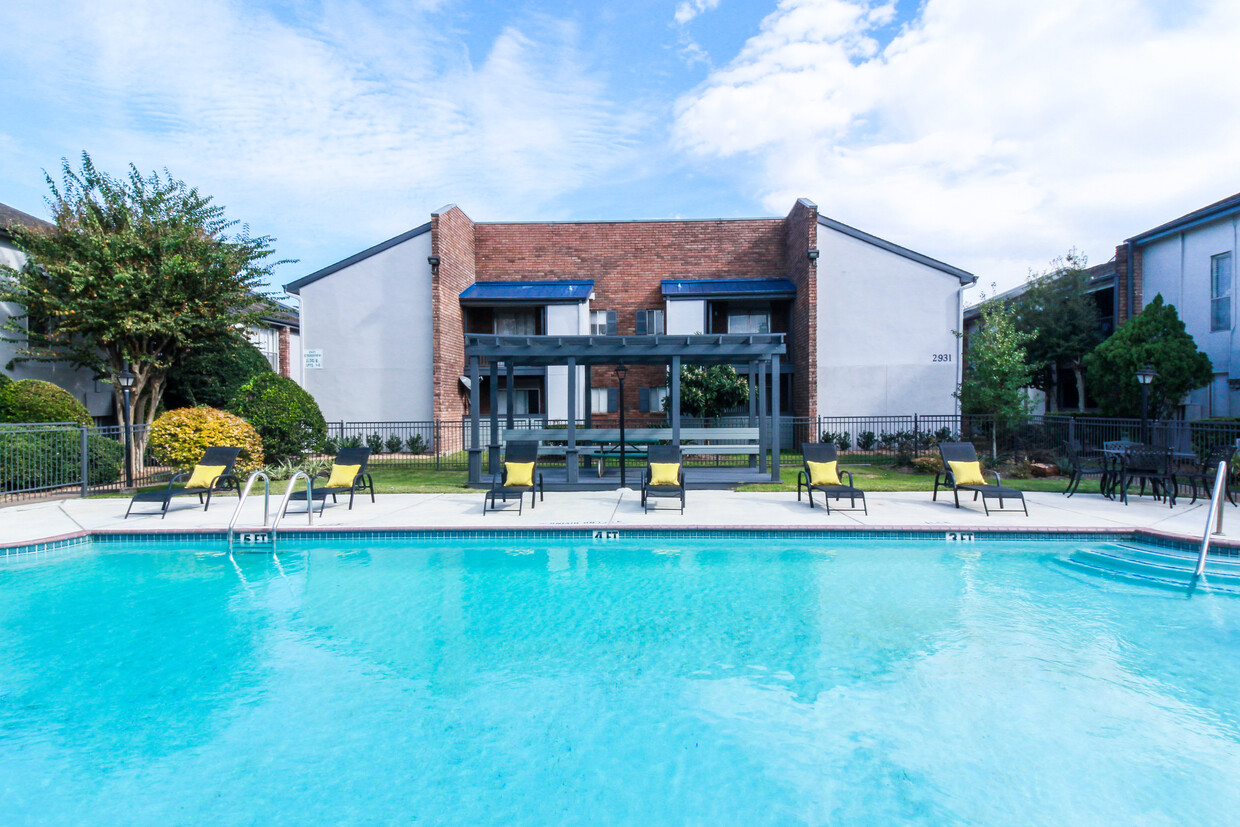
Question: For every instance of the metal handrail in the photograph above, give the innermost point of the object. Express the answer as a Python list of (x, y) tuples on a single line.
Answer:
[(245, 492), (1214, 520), (284, 501)]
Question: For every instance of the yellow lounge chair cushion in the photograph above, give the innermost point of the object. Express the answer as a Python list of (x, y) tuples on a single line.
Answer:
[(967, 473), (665, 473), (823, 473), (520, 474), (204, 475), (343, 476)]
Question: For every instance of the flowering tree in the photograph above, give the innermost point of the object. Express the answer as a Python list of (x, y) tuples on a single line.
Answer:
[(137, 271)]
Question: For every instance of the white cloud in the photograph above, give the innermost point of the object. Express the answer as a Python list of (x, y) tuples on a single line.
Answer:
[(992, 135), (352, 120), (690, 9)]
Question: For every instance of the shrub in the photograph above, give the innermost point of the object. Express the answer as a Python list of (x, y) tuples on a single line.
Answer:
[(843, 439), (180, 437), (285, 416), (5, 379), (31, 400), (285, 470), (213, 375), (928, 465), (416, 444), (375, 443), (54, 459), (331, 445), (867, 440), (394, 444)]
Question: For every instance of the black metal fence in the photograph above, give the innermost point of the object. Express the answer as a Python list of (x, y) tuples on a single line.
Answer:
[(68, 459)]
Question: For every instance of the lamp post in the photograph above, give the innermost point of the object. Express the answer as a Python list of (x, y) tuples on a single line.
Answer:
[(126, 379), (621, 371), (1145, 376)]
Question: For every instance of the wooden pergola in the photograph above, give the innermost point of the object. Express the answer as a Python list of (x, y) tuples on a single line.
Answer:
[(760, 353)]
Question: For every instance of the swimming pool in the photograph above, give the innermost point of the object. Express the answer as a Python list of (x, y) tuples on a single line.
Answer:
[(652, 680)]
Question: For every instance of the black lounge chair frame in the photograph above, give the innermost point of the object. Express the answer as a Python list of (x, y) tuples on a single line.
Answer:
[(826, 452), (1082, 464), (362, 481), (965, 452), (225, 455), (515, 451), (663, 454)]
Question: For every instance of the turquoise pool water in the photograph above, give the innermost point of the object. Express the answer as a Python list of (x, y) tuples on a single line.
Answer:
[(654, 681)]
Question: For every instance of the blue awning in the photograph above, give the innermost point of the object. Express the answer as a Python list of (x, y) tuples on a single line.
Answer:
[(527, 292), (718, 288)]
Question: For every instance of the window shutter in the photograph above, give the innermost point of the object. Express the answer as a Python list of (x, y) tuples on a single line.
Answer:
[(611, 323), (613, 400), (641, 323), (643, 400)]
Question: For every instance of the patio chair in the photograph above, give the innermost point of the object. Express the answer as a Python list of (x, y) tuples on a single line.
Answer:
[(518, 474), (664, 475), (1151, 464), (1082, 465), (348, 473), (1206, 473), (962, 471), (214, 472), (820, 472)]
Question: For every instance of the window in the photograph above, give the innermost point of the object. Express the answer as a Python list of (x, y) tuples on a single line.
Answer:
[(516, 323), (648, 321), (650, 400), (602, 323), (604, 400), (1220, 292), (749, 320), (524, 401)]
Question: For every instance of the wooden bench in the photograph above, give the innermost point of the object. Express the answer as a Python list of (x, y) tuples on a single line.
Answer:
[(602, 443)]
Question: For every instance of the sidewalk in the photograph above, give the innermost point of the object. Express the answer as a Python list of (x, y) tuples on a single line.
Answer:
[(35, 522)]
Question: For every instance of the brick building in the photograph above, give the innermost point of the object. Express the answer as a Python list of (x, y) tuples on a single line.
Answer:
[(869, 324)]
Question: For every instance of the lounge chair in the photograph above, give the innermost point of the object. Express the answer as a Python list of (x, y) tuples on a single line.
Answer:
[(963, 472), (666, 480), (518, 474), (821, 473), (214, 472), (348, 474)]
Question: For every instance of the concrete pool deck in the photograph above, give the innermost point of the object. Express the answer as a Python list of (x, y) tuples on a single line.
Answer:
[(28, 523)]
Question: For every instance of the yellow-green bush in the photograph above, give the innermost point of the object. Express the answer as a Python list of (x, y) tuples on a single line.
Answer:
[(180, 437), (928, 465)]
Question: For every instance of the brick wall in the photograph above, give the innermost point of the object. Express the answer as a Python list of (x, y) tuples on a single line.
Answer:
[(801, 229), (627, 261), (285, 367), (452, 239)]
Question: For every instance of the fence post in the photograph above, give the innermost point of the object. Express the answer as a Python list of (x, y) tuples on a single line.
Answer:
[(85, 461), (438, 449), (917, 437)]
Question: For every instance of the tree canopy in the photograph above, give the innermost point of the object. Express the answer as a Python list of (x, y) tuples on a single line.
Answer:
[(996, 371), (1062, 316), (709, 392), (138, 271), (1155, 337)]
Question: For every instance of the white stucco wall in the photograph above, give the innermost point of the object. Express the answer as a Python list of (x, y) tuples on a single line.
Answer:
[(566, 320), (685, 316), (1178, 267), (372, 322), (96, 396), (885, 331)]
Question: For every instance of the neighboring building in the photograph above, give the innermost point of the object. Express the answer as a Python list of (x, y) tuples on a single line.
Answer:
[(96, 396), (869, 324), (1102, 285), (1191, 261), (278, 338)]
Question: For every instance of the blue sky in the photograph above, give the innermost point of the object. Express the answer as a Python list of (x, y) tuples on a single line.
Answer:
[(991, 135)]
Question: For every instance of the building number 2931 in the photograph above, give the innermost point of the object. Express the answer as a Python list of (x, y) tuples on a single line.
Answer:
[(940, 357)]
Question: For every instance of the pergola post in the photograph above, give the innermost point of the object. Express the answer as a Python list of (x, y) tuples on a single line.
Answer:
[(775, 418), (475, 427), (753, 404), (570, 453), (589, 412), (509, 391), (764, 433), (493, 447), (676, 401)]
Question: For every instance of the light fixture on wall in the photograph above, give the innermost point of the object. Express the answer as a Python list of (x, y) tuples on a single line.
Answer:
[(813, 255), (433, 261)]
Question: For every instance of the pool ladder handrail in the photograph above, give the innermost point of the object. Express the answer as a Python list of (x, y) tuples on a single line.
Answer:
[(283, 506), (1214, 519)]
